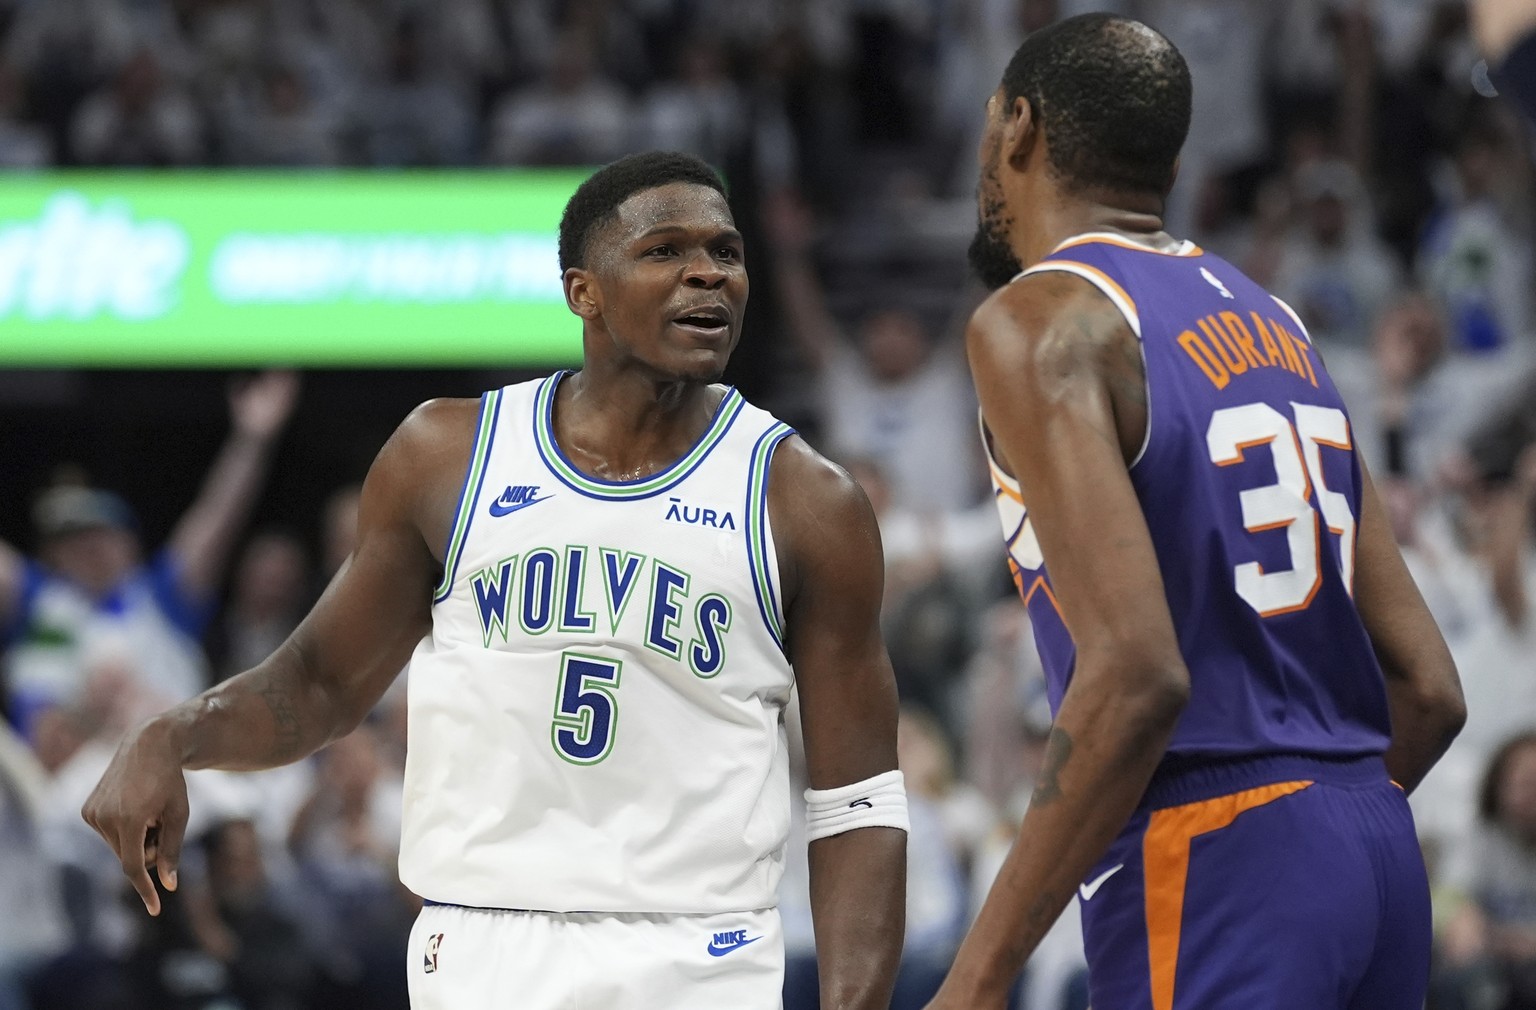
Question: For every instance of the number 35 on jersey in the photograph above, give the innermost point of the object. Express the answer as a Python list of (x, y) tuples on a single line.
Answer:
[(1288, 504)]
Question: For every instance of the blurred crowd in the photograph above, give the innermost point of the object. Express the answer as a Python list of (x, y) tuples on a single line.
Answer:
[(1350, 155)]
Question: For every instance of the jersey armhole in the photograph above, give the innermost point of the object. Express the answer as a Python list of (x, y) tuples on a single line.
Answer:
[(469, 494), (1000, 477), (1294, 318), (761, 555), (1117, 296)]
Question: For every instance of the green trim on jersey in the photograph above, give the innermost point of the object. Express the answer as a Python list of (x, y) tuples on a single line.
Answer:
[(490, 407), (543, 411), (764, 564)]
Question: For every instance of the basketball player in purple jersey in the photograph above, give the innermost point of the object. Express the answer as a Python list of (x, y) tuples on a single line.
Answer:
[(1245, 679)]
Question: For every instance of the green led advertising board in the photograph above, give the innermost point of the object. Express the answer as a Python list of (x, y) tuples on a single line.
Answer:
[(234, 269)]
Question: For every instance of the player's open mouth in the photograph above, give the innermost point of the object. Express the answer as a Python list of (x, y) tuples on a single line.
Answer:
[(710, 321)]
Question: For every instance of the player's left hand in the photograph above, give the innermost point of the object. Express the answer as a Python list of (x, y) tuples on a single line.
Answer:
[(261, 406)]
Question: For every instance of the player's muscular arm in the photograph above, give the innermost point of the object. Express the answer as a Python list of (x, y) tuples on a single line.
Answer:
[(320, 683), (832, 573), (1058, 375), (1423, 690)]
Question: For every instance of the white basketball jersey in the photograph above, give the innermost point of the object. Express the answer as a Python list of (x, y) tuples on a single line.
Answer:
[(596, 719)]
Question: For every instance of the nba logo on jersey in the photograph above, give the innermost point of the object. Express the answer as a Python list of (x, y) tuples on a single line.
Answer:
[(429, 962), (1215, 282)]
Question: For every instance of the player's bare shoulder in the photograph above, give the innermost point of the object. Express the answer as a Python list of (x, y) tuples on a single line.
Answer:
[(420, 471), (1050, 320), (440, 430), (1054, 338), (821, 517)]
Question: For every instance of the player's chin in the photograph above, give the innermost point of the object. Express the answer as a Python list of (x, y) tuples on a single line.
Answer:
[(698, 364), (704, 371)]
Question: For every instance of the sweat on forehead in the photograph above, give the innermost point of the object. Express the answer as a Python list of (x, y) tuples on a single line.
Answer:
[(681, 203)]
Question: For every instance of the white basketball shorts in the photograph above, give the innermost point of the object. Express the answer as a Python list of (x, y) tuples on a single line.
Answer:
[(479, 959)]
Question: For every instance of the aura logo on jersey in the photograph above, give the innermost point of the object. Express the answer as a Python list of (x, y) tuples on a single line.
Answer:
[(548, 590), (679, 511)]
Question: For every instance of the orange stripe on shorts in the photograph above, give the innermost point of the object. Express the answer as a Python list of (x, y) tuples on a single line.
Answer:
[(1165, 868)]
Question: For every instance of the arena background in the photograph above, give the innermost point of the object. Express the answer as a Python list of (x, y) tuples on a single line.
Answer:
[(1351, 154)]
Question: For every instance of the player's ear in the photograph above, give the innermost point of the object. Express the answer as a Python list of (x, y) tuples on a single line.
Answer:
[(581, 295), (1173, 175), (1021, 130)]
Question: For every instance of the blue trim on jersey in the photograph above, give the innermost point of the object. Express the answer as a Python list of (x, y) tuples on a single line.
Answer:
[(485, 438), (755, 524), (730, 407)]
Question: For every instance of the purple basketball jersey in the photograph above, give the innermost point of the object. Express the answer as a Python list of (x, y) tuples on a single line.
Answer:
[(1251, 490)]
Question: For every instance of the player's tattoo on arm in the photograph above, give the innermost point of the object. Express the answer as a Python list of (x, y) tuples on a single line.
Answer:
[(287, 730), (1044, 910), (1058, 750)]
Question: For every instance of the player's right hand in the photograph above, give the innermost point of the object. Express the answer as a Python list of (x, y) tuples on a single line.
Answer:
[(140, 808)]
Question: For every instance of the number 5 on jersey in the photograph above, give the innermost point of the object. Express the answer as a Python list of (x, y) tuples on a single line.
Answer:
[(586, 708), (1287, 503)]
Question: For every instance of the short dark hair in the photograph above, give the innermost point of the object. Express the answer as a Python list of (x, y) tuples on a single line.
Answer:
[(1113, 97), (598, 198)]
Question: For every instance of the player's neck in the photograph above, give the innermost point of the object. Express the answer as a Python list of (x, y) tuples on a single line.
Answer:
[(1138, 219), (625, 425)]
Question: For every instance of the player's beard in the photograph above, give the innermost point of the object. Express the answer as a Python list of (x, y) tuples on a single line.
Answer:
[(992, 259)]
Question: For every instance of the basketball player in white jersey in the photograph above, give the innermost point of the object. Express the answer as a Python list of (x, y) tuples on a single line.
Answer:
[(605, 584)]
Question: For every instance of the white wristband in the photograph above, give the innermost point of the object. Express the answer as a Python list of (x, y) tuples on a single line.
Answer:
[(878, 802)]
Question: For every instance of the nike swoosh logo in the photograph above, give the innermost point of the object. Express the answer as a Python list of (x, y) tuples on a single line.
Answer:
[(861, 803), (1091, 888), (722, 951), (498, 509)]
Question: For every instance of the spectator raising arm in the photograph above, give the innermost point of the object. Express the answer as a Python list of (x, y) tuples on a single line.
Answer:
[(802, 297), (204, 536)]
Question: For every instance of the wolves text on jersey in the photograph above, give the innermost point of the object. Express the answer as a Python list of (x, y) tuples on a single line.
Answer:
[(547, 589)]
